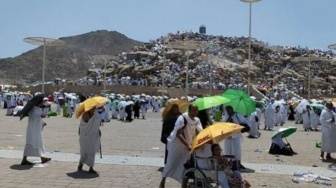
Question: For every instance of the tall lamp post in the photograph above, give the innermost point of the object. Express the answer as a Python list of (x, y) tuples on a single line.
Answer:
[(309, 80), (163, 74), (249, 53), (105, 64), (212, 49), (44, 42), (187, 76)]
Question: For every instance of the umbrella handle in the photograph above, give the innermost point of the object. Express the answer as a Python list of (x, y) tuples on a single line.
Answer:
[(286, 140)]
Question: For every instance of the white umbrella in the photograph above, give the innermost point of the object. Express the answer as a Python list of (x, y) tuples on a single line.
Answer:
[(129, 103), (302, 105), (276, 103), (123, 103)]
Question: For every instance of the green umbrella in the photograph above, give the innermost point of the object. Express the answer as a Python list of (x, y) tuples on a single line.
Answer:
[(286, 131), (318, 106), (208, 102), (240, 101)]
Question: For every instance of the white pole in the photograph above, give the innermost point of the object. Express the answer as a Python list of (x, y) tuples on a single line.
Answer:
[(163, 76), (309, 79), (249, 54), (187, 76), (210, 75), (105, 77), (43, 68)]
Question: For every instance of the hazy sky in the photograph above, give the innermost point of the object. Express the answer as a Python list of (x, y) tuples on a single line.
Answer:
[(279, 22)]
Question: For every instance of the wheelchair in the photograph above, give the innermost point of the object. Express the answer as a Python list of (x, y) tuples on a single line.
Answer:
[(196, 177)]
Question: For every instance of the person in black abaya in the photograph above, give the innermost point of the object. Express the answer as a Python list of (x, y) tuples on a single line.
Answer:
[(168, 126), (291, 115), (204, 117), (136, 109), (129, 110)]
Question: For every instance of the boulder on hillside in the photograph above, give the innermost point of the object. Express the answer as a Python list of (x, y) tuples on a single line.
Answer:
[(140, 54), (173, 54)]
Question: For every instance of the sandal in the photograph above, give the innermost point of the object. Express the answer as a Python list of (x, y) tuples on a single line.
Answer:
[(91, 171), (26, 163), (45, 159), (80, 167)]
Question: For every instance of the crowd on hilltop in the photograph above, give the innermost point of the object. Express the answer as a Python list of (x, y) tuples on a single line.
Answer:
[(273, 62)]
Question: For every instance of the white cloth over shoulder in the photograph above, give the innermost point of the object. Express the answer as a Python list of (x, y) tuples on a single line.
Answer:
[(89, 139), (34, 139), (189, 130)]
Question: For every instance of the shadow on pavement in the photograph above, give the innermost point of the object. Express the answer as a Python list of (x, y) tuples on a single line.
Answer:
[(247, 170), (20, 167), (82, 175), (160, 169), (333, 160), (332, 167)]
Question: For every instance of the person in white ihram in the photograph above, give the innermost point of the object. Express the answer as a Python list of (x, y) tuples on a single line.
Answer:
[(233, 143), (89, 139), (328, 129), (34, 139), (179, 144)]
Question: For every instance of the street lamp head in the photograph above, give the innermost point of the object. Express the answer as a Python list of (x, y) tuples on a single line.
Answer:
[(332, 46), (44, 41), (250, 1)]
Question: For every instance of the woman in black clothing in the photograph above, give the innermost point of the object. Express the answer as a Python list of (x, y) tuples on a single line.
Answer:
[(204, 117), (291, 113), (129, 110), (136, 109)]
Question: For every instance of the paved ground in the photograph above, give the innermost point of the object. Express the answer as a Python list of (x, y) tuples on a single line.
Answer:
[(133, 154)]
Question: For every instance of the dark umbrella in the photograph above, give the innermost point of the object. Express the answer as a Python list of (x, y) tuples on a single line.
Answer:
[(30, 104)]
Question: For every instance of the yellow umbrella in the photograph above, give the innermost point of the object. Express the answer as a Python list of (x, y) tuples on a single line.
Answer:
[(182, 104), (90, 103), (334, 101), (294, 104), (216, 132)]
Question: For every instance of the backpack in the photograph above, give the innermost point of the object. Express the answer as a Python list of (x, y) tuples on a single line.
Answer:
[(168, 127)]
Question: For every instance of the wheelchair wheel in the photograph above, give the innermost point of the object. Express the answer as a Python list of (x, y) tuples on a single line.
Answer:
[(194, 178)]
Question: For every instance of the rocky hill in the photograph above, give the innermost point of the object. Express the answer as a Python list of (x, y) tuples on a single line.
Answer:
[(69, 61)]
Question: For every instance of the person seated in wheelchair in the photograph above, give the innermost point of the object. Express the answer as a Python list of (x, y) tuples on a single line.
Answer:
[(279, 147), (228, 173)]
